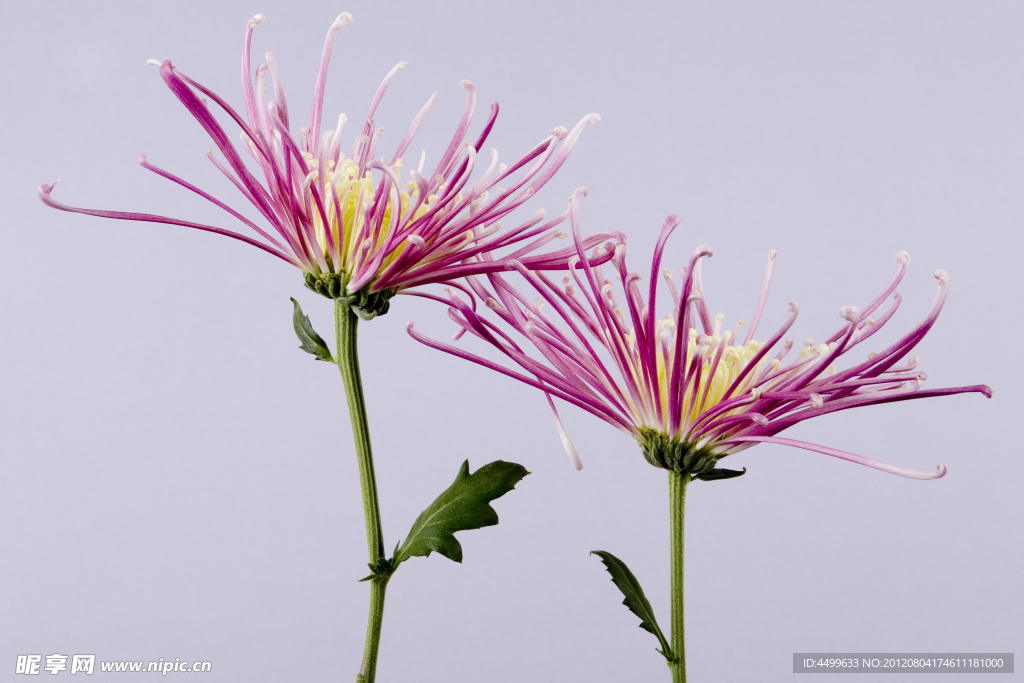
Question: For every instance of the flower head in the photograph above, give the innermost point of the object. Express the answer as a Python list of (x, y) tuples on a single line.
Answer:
[(351, 223), (688, 390)]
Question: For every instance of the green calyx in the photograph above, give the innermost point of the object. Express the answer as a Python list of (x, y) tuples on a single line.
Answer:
[(676, 455), (364, 303)]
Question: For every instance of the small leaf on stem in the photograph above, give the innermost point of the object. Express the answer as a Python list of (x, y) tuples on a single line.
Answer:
[(720, 474), (635, 600), (463, 506), (312, 342)]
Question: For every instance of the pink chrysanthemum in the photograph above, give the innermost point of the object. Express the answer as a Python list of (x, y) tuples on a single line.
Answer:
[(688, 391), (351, 232)]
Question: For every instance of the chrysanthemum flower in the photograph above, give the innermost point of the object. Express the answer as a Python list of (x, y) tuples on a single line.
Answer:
[(350, 222), (689, 391)]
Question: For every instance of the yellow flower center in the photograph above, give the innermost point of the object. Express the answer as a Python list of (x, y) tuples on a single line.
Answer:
[(712, 383), (355, 240)]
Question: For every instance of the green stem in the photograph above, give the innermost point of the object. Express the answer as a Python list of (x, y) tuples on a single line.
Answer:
[(368, 670), (345, 328), (677, 510)]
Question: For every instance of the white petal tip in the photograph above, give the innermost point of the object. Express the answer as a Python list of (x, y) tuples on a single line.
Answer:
[(154, 62), (851, 313)]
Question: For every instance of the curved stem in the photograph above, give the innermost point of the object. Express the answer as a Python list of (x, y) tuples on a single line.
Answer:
[(677, 510), (345, 327)]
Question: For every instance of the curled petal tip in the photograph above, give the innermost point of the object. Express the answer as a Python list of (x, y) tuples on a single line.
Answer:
[(903, 256), (772, 253), (154, 62), (987, 390), (342, 20), (704, 250), (792, 307), (409, 325), (940, 471), (579, 192), (559, 131), (467, 84), (257, 19), (142, 159), (850, 313), (942, 276), (592, 118)]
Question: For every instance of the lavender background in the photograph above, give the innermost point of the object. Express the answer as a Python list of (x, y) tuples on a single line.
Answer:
[(178, 479)]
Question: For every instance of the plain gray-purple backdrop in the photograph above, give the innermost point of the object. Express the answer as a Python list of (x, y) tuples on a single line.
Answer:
[(178, 479)]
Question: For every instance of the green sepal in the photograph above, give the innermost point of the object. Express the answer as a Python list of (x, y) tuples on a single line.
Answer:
[(720, 474), (312, 342), (635, 599), (463, 506)]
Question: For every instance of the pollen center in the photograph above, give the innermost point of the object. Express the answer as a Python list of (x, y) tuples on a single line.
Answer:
[(721, 364), (358, 222)]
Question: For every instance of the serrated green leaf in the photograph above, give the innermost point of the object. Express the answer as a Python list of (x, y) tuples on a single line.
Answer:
[(463, 506), (715, 475), (635, 600), (312, 342)]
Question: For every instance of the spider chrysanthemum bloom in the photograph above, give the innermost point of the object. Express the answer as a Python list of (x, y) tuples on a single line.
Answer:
[(355, 227), (689, 391)]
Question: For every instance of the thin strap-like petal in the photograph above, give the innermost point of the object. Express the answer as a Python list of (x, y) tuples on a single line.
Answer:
[(940, 471)]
